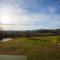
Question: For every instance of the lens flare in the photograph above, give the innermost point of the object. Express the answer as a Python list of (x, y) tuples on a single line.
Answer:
[(5, 18)]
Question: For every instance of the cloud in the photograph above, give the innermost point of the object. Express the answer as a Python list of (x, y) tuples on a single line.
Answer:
[(45, 18)]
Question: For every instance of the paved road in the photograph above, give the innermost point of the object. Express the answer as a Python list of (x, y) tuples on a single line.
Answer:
[(11, 57)]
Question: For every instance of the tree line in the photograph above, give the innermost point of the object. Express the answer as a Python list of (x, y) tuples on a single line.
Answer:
[(27, 33)]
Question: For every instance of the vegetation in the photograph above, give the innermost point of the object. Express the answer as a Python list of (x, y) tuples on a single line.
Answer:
[(29, 33), (35, 44), (35, 48)]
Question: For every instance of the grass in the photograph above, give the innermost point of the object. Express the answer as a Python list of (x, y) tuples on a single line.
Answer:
[(35, 48)]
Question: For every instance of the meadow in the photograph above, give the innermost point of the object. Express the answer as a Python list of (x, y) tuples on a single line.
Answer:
[(35, 48)]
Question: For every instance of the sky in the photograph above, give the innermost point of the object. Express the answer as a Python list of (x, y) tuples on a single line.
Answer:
[(29, 14)]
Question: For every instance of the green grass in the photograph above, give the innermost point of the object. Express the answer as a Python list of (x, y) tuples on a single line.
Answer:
[(35, 48)]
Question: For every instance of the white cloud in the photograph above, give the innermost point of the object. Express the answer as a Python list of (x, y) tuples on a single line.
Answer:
[(22, 20)]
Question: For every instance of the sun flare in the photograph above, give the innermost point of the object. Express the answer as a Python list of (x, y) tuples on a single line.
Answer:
[(5, 18)]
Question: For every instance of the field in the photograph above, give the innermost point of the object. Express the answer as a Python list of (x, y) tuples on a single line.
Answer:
[(35, 48)]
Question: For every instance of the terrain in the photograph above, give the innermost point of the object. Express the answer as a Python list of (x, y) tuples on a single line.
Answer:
[(35, 47)]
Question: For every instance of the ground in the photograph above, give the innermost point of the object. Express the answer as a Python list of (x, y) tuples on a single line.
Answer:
[(35, 48)]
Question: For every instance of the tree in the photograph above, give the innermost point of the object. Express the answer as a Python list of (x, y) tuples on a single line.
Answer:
[(1, 36)]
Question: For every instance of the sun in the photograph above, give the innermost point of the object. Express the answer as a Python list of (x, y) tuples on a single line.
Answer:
[(5, 18)]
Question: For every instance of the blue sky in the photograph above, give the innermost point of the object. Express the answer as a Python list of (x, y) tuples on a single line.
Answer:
[(30, 14)]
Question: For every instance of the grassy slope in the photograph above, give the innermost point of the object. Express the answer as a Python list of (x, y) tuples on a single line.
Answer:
[(36, 48)]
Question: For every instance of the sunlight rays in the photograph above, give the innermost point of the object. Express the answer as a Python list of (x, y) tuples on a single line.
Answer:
[(5, 18)]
